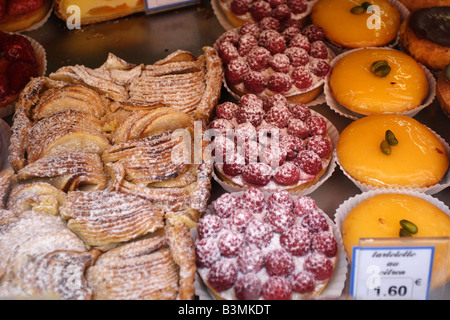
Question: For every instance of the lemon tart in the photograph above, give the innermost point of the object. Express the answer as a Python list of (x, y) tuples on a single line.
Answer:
[(402, 88), (418, 160)]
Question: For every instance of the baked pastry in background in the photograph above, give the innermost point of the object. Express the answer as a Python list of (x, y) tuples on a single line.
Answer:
[(443, 90), (425, 35), (419, 4), (239, 12), (98, 11), (269, 59), (378, 80), (346, 23), (274, 247), (383, 151), (19, 15)]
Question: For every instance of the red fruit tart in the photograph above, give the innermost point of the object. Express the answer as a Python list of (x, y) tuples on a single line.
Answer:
[(272, 144), (21, 59), (238, 12), (276, 247), (267, 58), (21, 15)]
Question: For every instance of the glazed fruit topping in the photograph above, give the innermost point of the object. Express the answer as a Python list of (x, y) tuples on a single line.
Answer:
[(267, 249), (20, 7)]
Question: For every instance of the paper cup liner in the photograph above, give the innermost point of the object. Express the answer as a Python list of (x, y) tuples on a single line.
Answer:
[(335, 285), (334, 136), (404, 13), (41, 56), (343, 111), (344, 208), (5, 135), (438, 187)]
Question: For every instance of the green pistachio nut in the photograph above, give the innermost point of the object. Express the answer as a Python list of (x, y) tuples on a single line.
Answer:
[(409, 226), (390, 138), (385, 147)]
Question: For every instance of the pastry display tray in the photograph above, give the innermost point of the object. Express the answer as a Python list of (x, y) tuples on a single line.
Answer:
[(142, 38)]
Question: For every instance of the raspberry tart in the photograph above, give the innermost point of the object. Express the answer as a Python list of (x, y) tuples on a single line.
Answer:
[(275, 247), (272, 144), (267, 58), (21, 58), (239, 12), (23, 15)]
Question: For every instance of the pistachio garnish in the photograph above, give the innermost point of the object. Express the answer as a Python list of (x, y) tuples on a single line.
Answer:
[(380, 68), (385, 147), (404, 233), (361, 9), (409, 226), (390, 138), (365, 5)]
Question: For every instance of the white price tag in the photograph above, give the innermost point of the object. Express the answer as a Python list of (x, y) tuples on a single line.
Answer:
[(391, 273), (160, 5)]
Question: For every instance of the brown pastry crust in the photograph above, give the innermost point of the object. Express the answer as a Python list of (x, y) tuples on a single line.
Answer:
[(443, 91), (418, 4)]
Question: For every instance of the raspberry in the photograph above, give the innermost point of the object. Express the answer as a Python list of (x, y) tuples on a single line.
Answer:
[(252, 150), (226, 110), (315, 222), (265, 35), (223, 149), (298, 128), (280, 63), (302, 78), (279, 263), (268, 132), (324, 242), (309, 162), (304, 206), (232, 169), (246, 44), (318, 50), (257, 174), (19, 74), (236, 71), (276, 3), (21, 7), (244, 132), (297, 56), (251, 101), (270, 23), (293, 145), (313, 33), (280, 199), (229, 36), (250, 259), (317, 124), (281, 12), (222, 275), (300, 41), (280, 219), (287, 174), (291, 23), (209, 226), (276, 99), (273, 155), (289, 33), (227, 52), (225, 205), (319, 265), (240, 218), (254, 82), (258, 233), (4, 90), (300, 111), (253, 200), (296, 240), (297, 6), (277, 288), (319, 67), (278, 116), (240, 7), (229, 243), (248, 287), (206, 252), (260, 9), (253, 113), (320, 145), (279, 82), (303, 282), (275, 44), (222, 126), (250, 28), (15, 48)]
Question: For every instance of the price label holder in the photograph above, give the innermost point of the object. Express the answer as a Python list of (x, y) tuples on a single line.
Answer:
[(155, 6), (400, 269)]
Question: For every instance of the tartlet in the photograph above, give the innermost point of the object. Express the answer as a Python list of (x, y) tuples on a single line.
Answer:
[(23, 15), (420, 159), (443, 90)]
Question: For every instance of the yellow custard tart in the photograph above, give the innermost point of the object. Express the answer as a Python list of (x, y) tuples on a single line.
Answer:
[(378, 80), (357, 23), (379, 216), (418, 160)]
